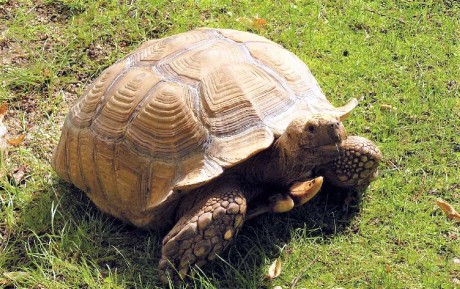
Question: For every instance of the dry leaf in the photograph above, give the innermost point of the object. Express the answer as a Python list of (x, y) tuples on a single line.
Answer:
[(256, 22), (448, 209), (388, 268), (445, 207), (3, 131), (387, 107), (457, 261), (3, 109), (5, 282), (18, 174), (16, 275), (277, 287), (12, 277), (16, 141), (259, 22), (274, 270)]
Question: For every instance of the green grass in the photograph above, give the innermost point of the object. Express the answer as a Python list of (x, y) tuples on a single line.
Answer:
[(401, 59)]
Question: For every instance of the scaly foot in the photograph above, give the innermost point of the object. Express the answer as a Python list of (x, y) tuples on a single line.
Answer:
[(203, 232), (356, 166)]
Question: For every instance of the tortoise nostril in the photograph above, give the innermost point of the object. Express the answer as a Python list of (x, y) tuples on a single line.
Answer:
[(335, 126)]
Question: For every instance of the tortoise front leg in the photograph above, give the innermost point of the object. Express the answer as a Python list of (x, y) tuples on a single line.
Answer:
[(356, 166), (204, 231)]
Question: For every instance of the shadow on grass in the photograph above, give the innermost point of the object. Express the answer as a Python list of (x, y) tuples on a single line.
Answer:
[(330, 213), (67, 226)]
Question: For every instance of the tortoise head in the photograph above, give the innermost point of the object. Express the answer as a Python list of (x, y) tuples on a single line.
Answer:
[(314, 139)]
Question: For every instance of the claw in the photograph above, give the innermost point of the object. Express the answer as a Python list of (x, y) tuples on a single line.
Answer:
[(302, 192), (281, 203)]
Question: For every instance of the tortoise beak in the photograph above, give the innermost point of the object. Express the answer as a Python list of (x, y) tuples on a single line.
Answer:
[(336, 131)]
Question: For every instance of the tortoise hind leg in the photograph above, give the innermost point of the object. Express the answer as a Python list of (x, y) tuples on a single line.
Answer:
[(204, 231)]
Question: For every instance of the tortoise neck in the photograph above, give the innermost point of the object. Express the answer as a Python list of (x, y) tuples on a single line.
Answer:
[(275, 166)]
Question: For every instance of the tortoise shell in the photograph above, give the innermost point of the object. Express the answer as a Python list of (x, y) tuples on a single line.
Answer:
[(177, 112)]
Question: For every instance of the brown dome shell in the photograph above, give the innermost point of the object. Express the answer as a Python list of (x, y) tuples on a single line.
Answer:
[(176, 112)]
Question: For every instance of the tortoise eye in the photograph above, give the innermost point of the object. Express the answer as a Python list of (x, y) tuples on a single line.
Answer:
[(311, 128)]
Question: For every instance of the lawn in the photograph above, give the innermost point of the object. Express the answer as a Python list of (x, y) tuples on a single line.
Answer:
[(400, 59)]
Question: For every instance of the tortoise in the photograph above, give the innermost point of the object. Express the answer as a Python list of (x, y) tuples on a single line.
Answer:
[(203, 130)]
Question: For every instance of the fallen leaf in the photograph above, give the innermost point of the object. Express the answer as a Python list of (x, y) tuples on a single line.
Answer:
[(255, 22), (5, 282), (274, 270), (16, 141), (452, 236), (387, 107), (259, 22), (448, 209), (18, 174), (445, 207), (3, 109), (277, 287), (16, 275), (388, 268), (457, 261)]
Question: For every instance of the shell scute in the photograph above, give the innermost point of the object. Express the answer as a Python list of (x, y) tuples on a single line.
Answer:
[(83, 112), (131, 173), (166, 48), (195, 63), (166, 126), (121, 101), (239, 96), (161, 179), (73, 158), (287, 65), (87, 151), (104, 161)]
